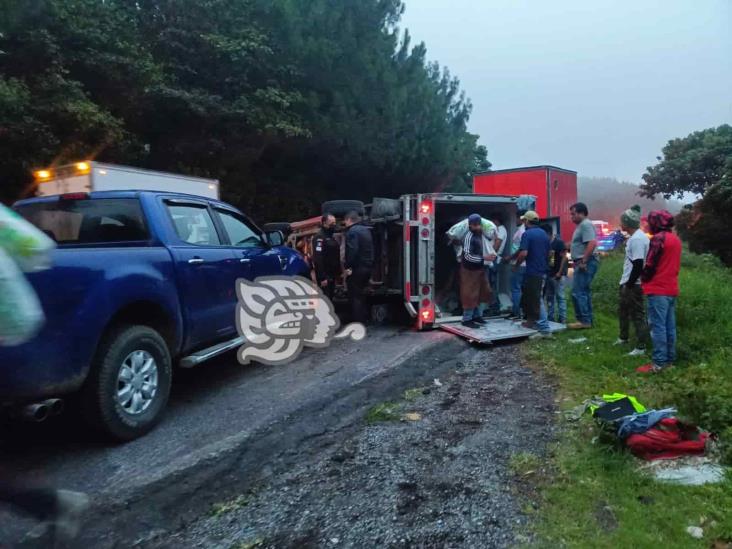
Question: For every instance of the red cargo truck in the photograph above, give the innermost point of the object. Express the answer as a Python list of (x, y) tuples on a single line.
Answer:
[(555, 190)]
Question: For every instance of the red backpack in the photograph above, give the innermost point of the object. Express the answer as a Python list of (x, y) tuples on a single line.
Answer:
[(669, 439)]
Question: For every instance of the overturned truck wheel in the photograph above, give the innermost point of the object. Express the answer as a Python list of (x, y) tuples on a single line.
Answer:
[(339, 208), (380, 313)]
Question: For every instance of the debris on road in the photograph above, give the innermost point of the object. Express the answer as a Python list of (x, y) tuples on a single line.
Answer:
[(412, 416), (695, 532)]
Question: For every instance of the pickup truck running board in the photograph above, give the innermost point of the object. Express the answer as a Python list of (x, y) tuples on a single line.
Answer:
[(203, 355)]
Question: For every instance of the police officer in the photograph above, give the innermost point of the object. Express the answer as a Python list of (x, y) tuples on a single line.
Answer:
[(326, 255), (359, 263)]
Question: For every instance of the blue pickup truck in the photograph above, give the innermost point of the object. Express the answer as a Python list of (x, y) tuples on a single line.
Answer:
[(141, 281)]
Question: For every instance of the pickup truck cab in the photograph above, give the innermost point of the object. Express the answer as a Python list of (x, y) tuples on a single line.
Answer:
[(141, 280)]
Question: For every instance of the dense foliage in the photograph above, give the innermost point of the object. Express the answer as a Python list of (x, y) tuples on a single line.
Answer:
[(288, 102), (699, 163), (706, 224), (691, 164)]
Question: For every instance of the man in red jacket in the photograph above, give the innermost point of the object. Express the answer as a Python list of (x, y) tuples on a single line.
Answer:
[(660, 282)]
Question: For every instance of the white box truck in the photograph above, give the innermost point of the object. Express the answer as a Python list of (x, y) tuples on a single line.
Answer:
[(89, 176)]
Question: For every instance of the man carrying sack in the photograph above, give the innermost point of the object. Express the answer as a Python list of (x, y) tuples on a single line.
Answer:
[(475, 291)]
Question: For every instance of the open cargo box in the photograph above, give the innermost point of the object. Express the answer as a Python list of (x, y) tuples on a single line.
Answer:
[(416, 265), (431, 285)]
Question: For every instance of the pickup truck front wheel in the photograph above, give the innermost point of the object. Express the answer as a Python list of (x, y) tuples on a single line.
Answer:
[(129, 384)]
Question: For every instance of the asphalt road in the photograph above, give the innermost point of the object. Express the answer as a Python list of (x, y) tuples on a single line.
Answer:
[(215, 409)]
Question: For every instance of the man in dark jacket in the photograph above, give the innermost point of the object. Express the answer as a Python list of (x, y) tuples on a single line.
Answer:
[(326, 256), (359, 263)]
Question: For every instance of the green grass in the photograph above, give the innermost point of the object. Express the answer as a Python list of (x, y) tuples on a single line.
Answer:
[(524, 464), (595, 497), (239, 502), (410, 395), (385, 411)]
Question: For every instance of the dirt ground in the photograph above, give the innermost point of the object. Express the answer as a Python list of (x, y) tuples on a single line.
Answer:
[(433, 469)]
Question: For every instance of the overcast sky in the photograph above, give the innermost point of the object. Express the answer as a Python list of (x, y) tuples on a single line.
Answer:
[(598, 86)]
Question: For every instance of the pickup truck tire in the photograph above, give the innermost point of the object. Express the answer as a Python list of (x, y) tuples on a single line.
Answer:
[(129, 383), (339, 208)]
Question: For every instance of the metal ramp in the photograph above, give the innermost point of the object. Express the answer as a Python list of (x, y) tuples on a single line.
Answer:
[(495, 329)]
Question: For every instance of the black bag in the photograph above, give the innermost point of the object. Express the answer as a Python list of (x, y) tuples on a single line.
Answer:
[(613, 411)]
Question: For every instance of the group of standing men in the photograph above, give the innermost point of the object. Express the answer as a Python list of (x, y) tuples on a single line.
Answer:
[(650, 272), (539, 271), (358, 261)]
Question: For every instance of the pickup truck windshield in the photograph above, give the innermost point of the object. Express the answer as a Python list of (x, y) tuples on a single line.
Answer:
[(88, 221)]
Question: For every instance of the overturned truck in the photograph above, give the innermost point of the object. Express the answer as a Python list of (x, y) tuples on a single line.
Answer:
[(415, 265)]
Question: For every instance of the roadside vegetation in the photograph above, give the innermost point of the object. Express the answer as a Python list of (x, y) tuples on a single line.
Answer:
[(595, 497)]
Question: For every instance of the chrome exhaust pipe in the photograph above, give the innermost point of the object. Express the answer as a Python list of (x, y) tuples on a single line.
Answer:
[(55, 406), (35, 412)]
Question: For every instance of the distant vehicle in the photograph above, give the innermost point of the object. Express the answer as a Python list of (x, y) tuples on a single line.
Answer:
[(88, 176), (555, 190), (140, 280), (602, 228), (609, 242)]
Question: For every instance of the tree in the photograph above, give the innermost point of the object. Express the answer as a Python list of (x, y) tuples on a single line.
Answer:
[(287, 102), (705, 225), (691, 164), (700, 163)]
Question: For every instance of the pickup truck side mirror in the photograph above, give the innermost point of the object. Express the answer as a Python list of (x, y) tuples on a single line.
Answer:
[(275, 238)]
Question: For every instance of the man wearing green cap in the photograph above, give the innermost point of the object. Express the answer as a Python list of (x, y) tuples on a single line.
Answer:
[(631, 304)]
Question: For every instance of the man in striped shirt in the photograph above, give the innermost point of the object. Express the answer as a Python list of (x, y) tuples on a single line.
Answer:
[(475, 292)]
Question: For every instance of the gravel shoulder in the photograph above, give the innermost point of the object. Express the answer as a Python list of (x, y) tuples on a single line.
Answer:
[(438, 478)]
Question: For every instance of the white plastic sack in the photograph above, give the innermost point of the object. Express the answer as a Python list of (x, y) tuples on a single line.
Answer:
[(29, 247), (459, 230), (21, 316), (457, 233)]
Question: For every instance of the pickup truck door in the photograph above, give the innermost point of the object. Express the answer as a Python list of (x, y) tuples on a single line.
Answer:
[(249, 247), (206, 269)]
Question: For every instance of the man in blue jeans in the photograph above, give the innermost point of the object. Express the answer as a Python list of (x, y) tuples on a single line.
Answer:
[(582, 250), (518, 270), (534, 249), (556, 280), (660, 282)]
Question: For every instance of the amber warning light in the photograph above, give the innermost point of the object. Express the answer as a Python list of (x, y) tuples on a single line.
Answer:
[(43, 174)]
